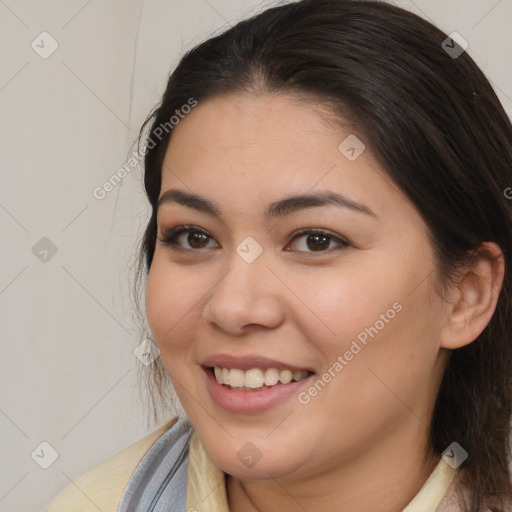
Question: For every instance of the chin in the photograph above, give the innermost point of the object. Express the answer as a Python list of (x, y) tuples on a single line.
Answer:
[(260, 470), (248, 460)]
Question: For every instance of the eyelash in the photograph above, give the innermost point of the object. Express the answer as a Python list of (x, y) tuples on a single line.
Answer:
[(169, 238)]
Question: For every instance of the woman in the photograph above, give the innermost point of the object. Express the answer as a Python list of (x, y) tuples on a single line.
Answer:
[(328, 273)]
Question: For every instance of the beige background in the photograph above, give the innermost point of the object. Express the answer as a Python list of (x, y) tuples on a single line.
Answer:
[(68, 375)]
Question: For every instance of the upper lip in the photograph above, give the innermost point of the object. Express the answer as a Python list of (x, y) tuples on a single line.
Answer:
[(249, 361)]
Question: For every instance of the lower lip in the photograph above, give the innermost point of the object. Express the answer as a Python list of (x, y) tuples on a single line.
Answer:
[(250, 401)]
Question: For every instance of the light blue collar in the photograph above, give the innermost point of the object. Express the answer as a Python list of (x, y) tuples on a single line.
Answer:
[(159, 482)]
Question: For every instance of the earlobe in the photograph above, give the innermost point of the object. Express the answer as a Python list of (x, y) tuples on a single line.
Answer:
[(474, 297)]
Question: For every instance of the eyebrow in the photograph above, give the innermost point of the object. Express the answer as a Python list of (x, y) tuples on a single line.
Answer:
[(277, 209)]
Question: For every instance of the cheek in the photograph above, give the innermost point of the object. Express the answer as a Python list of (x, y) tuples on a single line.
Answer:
[(169, 307), (343, 303), (380, 320)]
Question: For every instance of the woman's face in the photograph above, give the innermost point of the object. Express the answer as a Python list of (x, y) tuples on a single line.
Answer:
[(300, 255)]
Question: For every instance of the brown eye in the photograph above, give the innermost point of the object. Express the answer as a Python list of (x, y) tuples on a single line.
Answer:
[(318, 242), (188, 238), (314, 240), (197, 240)]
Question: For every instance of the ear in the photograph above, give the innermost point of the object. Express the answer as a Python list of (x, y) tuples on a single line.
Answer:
[(473, 299)]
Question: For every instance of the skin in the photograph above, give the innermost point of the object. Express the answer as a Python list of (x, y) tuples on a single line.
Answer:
[(361, 443)]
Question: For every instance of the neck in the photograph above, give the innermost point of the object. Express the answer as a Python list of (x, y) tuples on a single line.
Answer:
[(385, 478)]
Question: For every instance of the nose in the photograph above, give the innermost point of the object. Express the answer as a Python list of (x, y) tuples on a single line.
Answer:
[(247, 296)]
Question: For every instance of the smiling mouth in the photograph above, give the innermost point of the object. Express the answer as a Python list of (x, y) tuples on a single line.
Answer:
[(256, 379)]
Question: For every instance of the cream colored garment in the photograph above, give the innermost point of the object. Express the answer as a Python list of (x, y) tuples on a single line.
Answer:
[(207, 490), (102, 487)]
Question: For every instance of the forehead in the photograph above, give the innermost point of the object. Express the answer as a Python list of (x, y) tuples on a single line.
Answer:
[(240, 147), (240, 123)]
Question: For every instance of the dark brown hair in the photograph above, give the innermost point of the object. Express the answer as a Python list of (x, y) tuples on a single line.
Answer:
[(439, 131)]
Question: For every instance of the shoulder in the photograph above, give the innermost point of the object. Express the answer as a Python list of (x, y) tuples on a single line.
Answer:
[(102, 486)]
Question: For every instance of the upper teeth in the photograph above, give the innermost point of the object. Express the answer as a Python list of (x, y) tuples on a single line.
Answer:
[(256, 377)]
